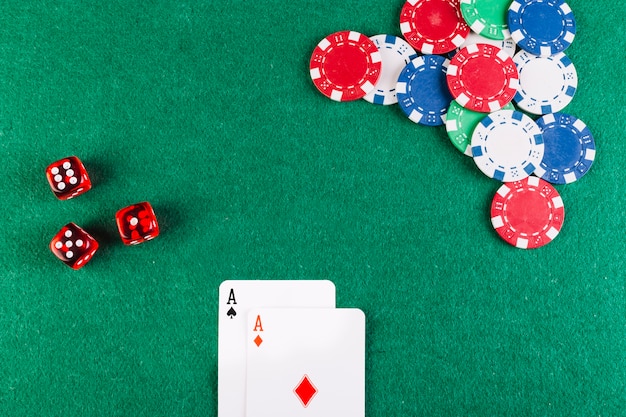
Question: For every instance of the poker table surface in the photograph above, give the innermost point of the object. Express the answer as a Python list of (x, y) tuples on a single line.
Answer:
[(206, 109)]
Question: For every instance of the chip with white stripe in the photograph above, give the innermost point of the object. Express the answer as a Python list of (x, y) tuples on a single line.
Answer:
[(527, 214), (507, 145), (345, 66)]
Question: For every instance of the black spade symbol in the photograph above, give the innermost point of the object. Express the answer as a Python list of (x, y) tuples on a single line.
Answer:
[(231, 313)]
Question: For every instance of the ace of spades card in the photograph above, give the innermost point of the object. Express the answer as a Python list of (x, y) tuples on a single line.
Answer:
[(305, 362), (236, 298)]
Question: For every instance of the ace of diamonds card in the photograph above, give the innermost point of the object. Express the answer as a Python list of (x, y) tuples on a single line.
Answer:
[(305, 362)]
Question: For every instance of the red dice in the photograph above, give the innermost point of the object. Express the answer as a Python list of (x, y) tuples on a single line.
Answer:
[(137, 223), (73, 246), (68, 178)]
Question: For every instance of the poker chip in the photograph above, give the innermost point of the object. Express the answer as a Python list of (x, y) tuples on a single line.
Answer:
[(395, 54), (507, 45), (507, 145), (569, 148), (541, 27), (472, 93), (422, 92), (345, 66), (527, 214), (487, 17), (460, 124), (433, 26), (546, 84), (482, 78)]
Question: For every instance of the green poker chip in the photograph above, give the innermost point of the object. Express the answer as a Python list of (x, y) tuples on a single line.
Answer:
[(487, 17), (460, 124)]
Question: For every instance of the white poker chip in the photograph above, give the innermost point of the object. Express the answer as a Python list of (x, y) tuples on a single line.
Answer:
[(546, 84), (507, 145), (507, 45), (395, 54)]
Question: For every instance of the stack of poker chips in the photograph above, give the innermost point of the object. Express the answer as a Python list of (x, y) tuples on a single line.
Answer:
[(459, 66)]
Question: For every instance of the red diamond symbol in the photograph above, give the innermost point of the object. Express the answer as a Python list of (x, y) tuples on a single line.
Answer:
[(305, 391), (258, 340)]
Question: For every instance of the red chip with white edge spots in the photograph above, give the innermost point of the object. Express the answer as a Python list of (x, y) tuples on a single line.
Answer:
[(433, 26), (345, 66), (527, 214), (482, 78)]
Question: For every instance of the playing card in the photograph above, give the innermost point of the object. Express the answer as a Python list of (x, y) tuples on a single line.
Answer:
[(305, 362), (236, 298)]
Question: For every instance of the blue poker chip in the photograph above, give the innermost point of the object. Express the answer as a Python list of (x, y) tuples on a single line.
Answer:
[(541, 27), (422, 90), (569, 148)]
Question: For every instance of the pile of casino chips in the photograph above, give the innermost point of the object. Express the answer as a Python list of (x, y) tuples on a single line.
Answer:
[(459, 66)]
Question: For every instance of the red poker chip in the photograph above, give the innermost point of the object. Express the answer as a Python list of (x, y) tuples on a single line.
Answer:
[(433, 26), (482, 78), (528, 213), (345, 66)]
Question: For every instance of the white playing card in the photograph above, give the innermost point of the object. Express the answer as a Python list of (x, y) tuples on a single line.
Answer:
[(305, 362), (236, 298)]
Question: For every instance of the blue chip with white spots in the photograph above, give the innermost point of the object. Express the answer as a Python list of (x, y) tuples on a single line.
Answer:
[(507, 145), (569, 148), (546, 84), (422, 90), (541, 27)]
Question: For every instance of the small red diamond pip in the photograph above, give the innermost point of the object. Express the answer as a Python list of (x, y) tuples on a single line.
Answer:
[(137, 223), (68, 178)]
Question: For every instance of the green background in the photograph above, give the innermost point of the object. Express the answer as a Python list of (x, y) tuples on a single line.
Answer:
[(206, 109)]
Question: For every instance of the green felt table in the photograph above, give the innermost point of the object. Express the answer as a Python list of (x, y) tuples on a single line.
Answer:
[(206, 109)]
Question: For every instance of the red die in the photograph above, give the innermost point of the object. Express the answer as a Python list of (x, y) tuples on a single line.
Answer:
[(73, 246), (68, 178), (137, 223)]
